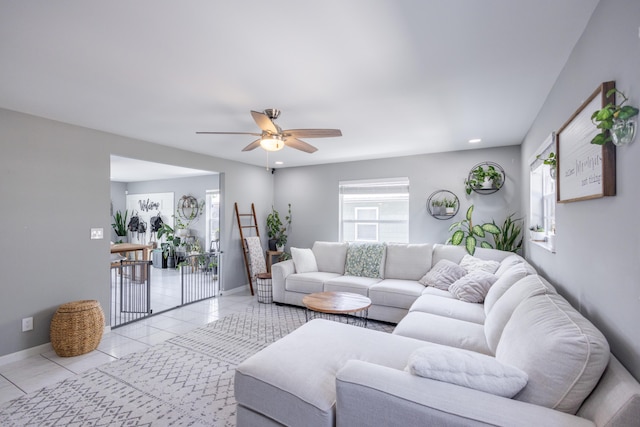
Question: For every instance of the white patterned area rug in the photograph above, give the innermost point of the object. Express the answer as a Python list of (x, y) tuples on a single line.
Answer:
[(185, 381)]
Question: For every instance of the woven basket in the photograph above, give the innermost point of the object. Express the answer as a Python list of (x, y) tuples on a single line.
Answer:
[(76, 328)]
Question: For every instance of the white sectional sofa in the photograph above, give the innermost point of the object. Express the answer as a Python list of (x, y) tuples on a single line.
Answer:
[(523, 357)]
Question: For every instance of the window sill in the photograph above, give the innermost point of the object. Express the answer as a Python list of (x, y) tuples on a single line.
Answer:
[(544, 245)]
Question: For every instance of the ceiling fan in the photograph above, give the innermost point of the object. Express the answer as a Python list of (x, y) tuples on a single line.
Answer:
[(273, 138)]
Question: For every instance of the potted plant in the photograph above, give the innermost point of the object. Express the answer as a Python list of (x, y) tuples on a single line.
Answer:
[(277, 230), (537, 233), (450, 206), (169, 246), (616, 119), (468, 234), (120, 225), (436, 206), (507, 238), (551, 161), (483, 177)]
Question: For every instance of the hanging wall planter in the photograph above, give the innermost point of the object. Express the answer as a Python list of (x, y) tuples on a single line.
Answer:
[(485, 178), (443, 204)]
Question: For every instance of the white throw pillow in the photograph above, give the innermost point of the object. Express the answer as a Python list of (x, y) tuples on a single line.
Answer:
[(442, 275), (467, 368), (304, 260), (471, 264), (473, 287)]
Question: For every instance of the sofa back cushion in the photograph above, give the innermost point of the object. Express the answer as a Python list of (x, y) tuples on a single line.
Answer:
[(456, 253), (507, 263), (502, 310), (330, 256), (365, 260), (505, 280), (407, 261), (563, 354)]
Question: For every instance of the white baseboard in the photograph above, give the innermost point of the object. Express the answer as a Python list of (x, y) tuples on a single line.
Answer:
[(235, 290), (26, 353)]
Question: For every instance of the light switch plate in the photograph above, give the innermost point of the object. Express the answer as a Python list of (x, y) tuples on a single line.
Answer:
[(97, 233)]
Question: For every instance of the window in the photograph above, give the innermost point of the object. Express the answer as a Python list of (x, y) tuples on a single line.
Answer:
[(374, 210), (212, 201), (543, 193)]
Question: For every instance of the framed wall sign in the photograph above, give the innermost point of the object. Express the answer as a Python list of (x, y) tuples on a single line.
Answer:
[(584, 170)]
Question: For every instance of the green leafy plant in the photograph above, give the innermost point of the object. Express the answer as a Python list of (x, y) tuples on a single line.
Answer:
[(468, 234), (537, 228), (507, 238), (168, 247), (450, 203), (605, 118), (120, 223), (276, 229), (550, 160), (478, 176)]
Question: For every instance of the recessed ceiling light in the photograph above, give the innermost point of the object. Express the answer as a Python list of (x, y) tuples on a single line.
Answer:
[(279, 163), (475, 140)]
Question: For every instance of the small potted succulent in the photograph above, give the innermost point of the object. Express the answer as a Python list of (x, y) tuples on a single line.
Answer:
[(450, 206), (537, 233)]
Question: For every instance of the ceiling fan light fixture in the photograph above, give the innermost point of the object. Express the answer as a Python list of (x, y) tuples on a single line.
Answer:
[(272, 142)]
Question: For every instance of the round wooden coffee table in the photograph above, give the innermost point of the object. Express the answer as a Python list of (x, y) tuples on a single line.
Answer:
[(347, 305)]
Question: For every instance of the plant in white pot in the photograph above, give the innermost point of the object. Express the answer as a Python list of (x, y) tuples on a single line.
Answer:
[(483, 177), (120, 226), (277, 230), (537, 233)]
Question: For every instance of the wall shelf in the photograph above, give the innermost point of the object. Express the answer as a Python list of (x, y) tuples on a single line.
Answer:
[(485, 166), (439, 212)]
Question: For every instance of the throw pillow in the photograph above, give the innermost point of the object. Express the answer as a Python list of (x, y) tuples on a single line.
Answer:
[(468, 369), (364, 260), (473, 287), (304, 260), (471, 263), (443, 274)]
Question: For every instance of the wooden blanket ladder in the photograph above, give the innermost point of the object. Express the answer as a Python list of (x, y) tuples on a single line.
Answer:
[(247, 222)]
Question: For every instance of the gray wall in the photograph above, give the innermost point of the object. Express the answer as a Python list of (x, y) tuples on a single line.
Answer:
[(54, 187), (313, 192), (596, 264)]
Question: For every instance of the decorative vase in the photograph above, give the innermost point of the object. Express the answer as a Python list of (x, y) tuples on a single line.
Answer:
[(623, 132), (272, 244), (487, 183), (552, 172)]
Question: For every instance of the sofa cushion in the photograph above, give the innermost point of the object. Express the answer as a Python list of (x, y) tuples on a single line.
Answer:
[(355, 284), (449, 307), (293, 381), (308, 283), (365, 260), (472, 287), (304, 260), (443, 330), (443, 274), (466, 368), (561, 351), (505, 280), (456, 253), (472, 264), (498, 317), (507, 263), (395, 293), (407, 261), (430, 290), (330, 256)]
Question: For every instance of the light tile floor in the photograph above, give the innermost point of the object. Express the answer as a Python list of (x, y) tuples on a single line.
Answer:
[(30, 374)]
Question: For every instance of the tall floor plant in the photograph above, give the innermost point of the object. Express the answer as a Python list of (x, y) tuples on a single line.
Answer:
[(507, 238)]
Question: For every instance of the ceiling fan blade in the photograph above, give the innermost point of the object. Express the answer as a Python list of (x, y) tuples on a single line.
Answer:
[(299, 145), (230, 133), (264, 122), (255, 144), (312, 133)]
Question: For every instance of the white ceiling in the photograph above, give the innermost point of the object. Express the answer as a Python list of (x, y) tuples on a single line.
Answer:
[(398, 77)]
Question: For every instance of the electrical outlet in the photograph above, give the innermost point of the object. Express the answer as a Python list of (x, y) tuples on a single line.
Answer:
[(97, 233), (27, 324)]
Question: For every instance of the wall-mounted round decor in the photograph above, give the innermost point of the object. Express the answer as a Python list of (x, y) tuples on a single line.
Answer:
[(485, 178), (443, 204)]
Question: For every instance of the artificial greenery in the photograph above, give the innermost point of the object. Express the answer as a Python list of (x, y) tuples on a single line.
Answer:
[(478, 176), (468, 234), (607, 115), (120, 223), (507, 238), (276, 229)]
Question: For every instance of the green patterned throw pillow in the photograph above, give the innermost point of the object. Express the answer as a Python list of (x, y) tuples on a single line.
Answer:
[(364, 260)]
